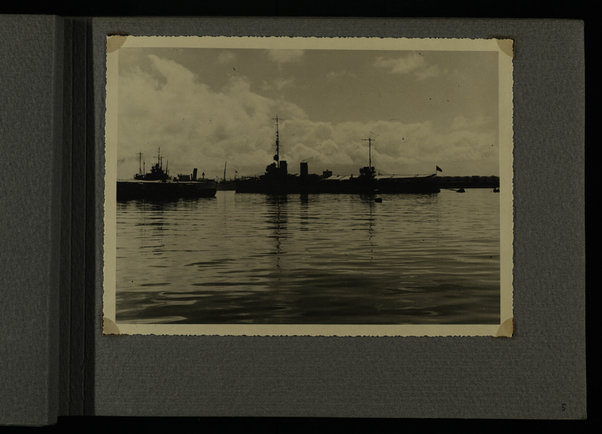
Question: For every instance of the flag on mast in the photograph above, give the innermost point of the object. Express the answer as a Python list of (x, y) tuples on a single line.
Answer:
[(439, 169)]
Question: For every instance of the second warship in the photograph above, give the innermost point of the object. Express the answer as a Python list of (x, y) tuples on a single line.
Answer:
[(277, 180)]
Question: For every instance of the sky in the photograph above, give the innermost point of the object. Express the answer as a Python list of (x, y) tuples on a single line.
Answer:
[(207, 106)]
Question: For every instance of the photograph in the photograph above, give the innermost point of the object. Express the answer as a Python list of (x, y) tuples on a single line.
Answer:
[(284, 186)]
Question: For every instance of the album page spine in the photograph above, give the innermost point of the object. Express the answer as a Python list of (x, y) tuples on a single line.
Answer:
[(77, 301)]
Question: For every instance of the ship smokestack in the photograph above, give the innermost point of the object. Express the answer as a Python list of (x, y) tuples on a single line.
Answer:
[(303, 168), (283, 168), (194, 173)]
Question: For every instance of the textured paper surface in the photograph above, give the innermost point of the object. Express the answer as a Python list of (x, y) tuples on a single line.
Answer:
[(30, 220), (538, 374)]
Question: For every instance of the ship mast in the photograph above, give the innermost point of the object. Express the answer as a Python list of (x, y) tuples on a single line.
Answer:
[(369, 140), (277, 143), (225, 171), (140, 163)]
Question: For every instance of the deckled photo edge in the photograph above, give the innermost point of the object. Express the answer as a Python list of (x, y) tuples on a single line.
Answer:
[(505, 329)]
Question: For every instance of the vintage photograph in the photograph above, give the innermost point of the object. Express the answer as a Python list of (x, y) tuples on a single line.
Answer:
[(308, 186)]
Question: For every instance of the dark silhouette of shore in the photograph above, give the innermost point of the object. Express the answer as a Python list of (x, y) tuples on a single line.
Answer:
[(468, 181)]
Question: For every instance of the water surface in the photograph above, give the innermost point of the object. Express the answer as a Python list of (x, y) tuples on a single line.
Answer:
[(314, 259)]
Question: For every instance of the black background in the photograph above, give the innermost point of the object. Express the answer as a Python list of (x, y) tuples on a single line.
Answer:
[(577, 9)]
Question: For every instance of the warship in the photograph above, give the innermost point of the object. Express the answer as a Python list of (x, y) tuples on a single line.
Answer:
[(277, 180), (159, 185)]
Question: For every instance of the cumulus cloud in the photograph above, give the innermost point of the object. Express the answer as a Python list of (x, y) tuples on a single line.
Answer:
[(197, 125), (401, 65), (427, 72), (412, 63), (399, 148), (194, 125), (277, 84)]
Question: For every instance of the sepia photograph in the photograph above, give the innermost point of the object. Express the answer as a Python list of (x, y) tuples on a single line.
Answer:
[(308, 186)]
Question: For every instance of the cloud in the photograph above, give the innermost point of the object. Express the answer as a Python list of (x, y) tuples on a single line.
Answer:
[(226, 57), (277, 84), (197, 125), (428, 72), (399, 148), (285, 56), (281, 83), (475, 123), (401, 65), (413, 63)]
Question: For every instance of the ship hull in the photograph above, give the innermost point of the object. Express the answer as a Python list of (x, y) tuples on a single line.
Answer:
[(293, 184), (158, 190)]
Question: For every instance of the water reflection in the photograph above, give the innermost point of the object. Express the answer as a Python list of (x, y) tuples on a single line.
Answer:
[(304, 211), (329, 259), (277, 219), (370, 221)]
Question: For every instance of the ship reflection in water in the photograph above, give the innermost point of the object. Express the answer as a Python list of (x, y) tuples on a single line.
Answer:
[(310, 259)]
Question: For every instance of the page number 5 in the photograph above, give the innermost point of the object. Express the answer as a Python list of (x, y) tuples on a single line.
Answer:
[(563, 406)]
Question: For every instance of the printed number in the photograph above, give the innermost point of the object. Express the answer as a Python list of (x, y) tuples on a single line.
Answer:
[(563, 406)]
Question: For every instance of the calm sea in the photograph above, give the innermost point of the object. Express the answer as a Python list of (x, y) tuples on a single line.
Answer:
[(315, 259)]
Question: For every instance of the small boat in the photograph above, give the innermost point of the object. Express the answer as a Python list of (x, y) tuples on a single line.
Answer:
[(460, 190)]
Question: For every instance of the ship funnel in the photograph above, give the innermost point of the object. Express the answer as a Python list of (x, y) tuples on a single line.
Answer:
[(304, 169), (194, 173)]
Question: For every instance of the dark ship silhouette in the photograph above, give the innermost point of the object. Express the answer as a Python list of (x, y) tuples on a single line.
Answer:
[(158, 185), (277, 180)]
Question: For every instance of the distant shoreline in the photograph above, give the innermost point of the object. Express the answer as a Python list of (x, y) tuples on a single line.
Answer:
[(468, 181)]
